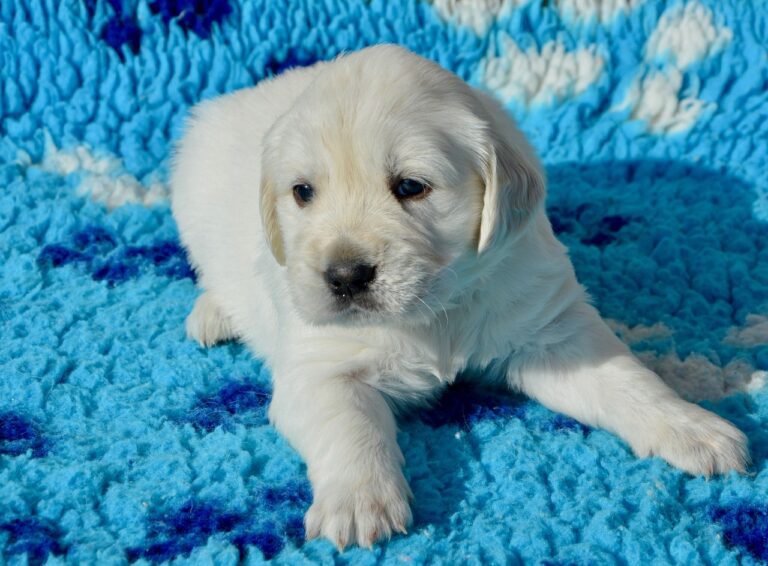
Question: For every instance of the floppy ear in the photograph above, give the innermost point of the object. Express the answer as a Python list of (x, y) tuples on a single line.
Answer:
[(514, 179), (268, 205)]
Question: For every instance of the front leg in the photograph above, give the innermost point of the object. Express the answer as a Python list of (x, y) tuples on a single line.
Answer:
[(346, 433), (595, 379)]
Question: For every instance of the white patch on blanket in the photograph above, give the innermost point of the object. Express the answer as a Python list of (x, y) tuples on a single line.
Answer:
[(658, 100), (604, 11), (475, 14), (102, 177), (753, 333), (698, 379), (695, 377), (635, 334), (686, 34), (545, 76)]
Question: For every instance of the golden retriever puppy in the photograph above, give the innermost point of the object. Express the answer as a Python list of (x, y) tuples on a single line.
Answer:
[(371, 226)]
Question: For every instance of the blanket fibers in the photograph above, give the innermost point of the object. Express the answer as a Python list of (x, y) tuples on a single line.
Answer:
[(122, 441)]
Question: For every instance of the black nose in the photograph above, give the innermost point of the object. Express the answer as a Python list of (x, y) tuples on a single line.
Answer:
[(348, 278)]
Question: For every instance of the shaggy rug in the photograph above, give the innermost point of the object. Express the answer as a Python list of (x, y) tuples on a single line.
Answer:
[(122, 441)]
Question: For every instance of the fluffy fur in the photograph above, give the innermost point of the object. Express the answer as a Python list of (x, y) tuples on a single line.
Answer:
[(470, 276)]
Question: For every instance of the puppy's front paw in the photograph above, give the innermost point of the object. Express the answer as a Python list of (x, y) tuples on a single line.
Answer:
[(359, 513), (699, 442), (207, 324)]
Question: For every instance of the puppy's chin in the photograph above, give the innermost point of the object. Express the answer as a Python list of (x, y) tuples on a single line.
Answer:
[(355, 314), (365, 310), (344, 312)]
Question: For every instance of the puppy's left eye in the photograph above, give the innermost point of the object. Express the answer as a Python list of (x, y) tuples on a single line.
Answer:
[(409, 188), (303, 193)]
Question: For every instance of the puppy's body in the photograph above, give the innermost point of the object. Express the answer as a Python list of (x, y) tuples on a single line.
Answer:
[(468, 275)]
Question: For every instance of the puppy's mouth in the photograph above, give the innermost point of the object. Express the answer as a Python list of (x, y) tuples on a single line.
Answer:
[(355, 308), (357, 297)]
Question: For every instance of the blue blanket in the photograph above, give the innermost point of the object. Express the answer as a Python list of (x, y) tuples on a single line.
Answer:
[(121, 440)]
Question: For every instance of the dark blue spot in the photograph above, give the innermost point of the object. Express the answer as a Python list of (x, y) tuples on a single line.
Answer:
[(158, 254), (106, 259), (166, 258), (560, 423), (614, 223), (122, 30), (600, 239), (745, 525), (197, 16), (90, 7), (604, 233), (95, 240), (235, 402), (18, 435), (178, 531), (195, 517), (294, 528), (54, 255), (291, 60), (559, 223), (179, 269), (464, 405), (34, 537), (291, 493), (156, 552), (114, 272)]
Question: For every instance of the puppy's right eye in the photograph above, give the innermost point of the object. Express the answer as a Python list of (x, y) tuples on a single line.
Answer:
[(302, 194)]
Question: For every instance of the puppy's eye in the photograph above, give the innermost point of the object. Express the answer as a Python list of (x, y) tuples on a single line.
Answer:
[(409, 188), (302, 194)]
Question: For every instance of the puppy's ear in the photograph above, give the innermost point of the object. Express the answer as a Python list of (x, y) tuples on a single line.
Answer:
[(514, 179), (268, 205)]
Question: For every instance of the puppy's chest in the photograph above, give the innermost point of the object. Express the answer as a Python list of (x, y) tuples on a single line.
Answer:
[(431, 359)]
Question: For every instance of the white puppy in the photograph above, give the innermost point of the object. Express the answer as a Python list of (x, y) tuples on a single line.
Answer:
[(372, 226)]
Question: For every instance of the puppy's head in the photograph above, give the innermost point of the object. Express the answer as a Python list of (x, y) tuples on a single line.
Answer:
[(386, 172)]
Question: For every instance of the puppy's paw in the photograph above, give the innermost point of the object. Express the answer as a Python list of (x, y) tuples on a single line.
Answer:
[(348, 513), (699, 442), (207, 324)]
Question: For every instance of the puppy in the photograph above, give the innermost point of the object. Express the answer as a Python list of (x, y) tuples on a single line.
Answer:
[(372, 226)]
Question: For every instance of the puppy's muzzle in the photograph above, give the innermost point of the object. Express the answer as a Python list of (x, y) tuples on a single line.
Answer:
[(348, 278)]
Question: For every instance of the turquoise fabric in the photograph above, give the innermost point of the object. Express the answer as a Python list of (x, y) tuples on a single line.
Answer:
[(122, 441)]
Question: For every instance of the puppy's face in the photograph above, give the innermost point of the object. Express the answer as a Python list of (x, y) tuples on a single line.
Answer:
[(373, 186)]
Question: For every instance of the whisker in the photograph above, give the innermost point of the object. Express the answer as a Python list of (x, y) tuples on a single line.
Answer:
[(428, 307)]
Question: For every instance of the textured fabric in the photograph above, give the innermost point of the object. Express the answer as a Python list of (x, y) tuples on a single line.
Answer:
[(121, 440)]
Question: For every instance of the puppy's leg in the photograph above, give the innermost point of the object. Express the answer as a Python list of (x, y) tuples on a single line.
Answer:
[(346, 433), (207, 324), (596, 380)]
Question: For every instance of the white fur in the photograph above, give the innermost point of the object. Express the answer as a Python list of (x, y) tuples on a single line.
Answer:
[(469, 276)]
